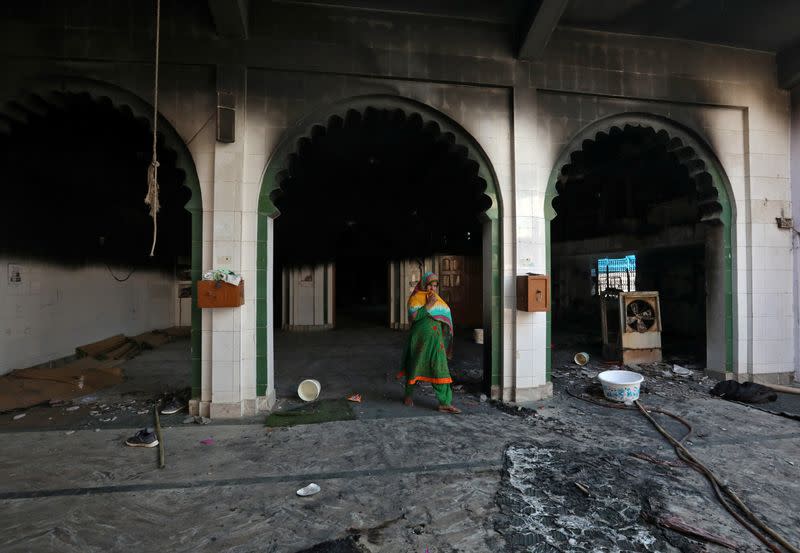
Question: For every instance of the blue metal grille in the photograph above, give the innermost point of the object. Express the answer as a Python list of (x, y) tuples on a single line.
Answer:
[(619, 273)]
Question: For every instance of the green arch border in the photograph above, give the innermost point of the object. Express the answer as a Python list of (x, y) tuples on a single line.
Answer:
[(277, 164), (44, 85), (720, 181)]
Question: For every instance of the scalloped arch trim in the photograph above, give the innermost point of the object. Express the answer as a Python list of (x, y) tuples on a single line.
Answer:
[(686, 147), (352, 112)]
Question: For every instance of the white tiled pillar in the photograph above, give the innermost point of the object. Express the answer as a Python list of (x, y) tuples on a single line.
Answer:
[(529, 330), (772, 325), (202, 148), (795, 195), (227, 399)]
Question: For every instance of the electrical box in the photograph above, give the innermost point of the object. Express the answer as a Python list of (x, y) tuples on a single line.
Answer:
[(533, 292), (212, 293), (226, 117)]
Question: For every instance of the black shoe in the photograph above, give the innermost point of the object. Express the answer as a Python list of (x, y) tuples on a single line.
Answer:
[(143, 438), (172, 407)]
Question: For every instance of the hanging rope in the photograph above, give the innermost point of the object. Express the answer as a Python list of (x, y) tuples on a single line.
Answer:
[(151, 198)]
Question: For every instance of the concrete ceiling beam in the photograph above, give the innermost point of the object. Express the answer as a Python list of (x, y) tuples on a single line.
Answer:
[(230, 17), (540, 29)]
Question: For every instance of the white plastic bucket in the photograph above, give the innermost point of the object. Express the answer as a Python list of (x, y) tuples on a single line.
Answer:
[(477, 335), (622, 386), (581, 358), (309, 389)]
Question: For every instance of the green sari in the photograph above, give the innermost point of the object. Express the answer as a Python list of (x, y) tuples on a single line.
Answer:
[(425, 355)]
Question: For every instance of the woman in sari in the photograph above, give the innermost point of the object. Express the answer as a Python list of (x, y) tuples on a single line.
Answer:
[(429, 344)]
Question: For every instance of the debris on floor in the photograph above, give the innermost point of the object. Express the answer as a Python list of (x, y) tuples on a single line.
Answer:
[(172, 406), (674, 523), (95, 366), (746, 392), (28, 387), (356, 398), (542, 507), (152, 340), (207, 441), (114, 347), (659, 378), (681, 371), (311, 489), (196, 420)]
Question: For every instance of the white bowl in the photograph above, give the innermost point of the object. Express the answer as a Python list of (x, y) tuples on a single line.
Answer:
[(581, 358), (621, 386), (309, 389)]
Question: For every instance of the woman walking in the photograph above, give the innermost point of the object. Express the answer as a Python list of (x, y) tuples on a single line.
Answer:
[(430, 343)]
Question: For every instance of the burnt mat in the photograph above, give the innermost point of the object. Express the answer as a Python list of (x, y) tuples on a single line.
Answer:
[(324, 410), (553, 500)]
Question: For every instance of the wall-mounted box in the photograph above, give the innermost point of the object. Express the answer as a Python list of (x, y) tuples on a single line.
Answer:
[(533, 293), (212, 293)]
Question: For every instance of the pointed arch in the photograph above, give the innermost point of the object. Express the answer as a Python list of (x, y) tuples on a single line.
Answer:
[(715, 194), (353, 111), (53, 88)]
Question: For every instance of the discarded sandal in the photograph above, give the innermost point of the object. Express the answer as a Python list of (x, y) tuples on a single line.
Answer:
[(449, 409), (355, 398), (306, 491)]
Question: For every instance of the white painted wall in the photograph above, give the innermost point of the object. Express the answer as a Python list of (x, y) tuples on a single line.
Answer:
[(54, 309), (731, 98)]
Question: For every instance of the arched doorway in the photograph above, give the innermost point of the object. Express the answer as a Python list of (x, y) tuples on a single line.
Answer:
[(390, 127), (641, 192), (88, 110)]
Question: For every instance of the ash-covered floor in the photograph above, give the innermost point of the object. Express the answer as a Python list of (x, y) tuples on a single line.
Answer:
[(366, 360), (497, 478)]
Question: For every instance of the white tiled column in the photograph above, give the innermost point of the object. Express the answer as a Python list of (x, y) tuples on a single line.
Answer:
[(203, 149), (530, 329), (226, 323), (773, 320), (795, 195)]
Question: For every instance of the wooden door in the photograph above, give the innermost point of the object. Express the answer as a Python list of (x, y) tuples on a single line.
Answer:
[(460, 285)]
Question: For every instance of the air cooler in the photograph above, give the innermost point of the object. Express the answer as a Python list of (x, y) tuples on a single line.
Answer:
[(640, 327)]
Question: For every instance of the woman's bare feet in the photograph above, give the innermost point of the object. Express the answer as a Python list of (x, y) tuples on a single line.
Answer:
[(449, 409), (408, 402)]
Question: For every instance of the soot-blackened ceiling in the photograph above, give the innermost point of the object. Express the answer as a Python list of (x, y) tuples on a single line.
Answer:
[(74, 180), (380, 182)]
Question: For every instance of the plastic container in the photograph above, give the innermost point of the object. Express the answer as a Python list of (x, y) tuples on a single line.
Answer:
[(621, 386), (581, 358), (477, 335), (309, 389)]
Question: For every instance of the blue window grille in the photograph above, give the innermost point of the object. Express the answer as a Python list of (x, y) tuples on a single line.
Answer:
[(618, 273)]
